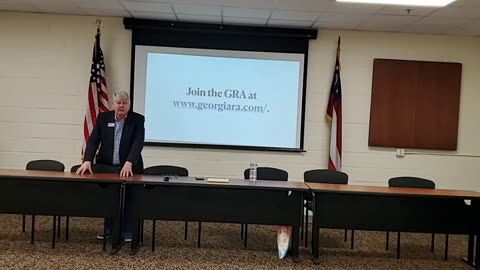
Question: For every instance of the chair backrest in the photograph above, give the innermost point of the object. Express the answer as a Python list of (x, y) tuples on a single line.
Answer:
[(166, 170), (268, 173), (325, 176), (75, 168), (45, 165), (411, 182), (99, 168)]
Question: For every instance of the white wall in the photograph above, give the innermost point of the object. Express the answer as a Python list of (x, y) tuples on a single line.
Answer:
[(44, 69)]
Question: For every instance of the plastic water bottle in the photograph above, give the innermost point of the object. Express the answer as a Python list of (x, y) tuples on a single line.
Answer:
[(253, 171)]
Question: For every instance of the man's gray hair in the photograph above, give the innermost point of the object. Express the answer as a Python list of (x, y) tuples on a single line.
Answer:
[(121, 95)]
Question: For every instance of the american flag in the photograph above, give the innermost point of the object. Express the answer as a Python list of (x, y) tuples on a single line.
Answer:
[(97, 91), (334, 115)]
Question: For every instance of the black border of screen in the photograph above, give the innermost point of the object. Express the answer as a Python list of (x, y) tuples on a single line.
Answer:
[(221, 37)]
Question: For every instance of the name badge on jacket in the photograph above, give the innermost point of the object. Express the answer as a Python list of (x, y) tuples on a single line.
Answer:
[(111, 124)]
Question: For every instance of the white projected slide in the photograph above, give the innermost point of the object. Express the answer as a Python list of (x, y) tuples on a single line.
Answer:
[(218, 97)]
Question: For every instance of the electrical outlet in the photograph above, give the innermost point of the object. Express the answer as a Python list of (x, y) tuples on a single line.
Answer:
[(400, 152)]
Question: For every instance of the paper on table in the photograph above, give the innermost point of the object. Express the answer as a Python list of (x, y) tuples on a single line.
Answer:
[(218, 180)]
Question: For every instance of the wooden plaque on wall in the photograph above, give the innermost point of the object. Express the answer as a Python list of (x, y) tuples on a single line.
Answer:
[(415, 104)]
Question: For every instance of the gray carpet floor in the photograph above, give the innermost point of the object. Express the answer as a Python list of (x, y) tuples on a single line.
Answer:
[(221, 248)]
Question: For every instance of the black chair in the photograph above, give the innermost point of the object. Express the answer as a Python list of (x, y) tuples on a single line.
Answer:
[(413, 182), (44, 165), (169, 170), (263, 173), (74, 168), (326, 177)]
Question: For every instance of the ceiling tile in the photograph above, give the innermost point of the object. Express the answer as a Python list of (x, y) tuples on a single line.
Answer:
[(246, 21), (155, 1), (107, 12), (17, 5), (294, 15), (458, 12), (269, 4), (439, 21), (342, 18), (335, 25), (265, 4), (403, 10), (425, 29), (435, 25), (199, 18), (55, 4), (379, 27), (147, 6), (463, 32), (339, 7), (198, 10), (465, 3), (472, 25), (392, 20), (66, 11), (303, 5), (386, 22), (154, 15), (284, 23), (96, 4), (61, 10), (246, 12)]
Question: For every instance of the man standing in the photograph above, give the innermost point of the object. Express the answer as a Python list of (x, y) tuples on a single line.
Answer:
[(120, 135)]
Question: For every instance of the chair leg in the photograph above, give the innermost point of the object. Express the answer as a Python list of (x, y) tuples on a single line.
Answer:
[(432, 245), (23, 223), (59, 223), (306, 229), (302, 222), (345, 236), (54, 235), (104, 237), (199, 233), (32, 236), (398, 246), (387, 240), (186, 230), (67, 228), (446, 247), (245, 235), (141, 230), (241, 231), (352, 239), (153, 234)]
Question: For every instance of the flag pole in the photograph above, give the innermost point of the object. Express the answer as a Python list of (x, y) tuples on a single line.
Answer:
[(97, 36), (338, 53), (99, 25)]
